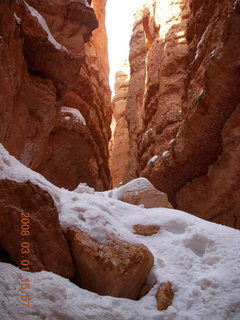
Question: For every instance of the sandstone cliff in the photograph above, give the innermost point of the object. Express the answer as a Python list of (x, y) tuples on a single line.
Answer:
[(53, 117), (186, 139), (119, 147)]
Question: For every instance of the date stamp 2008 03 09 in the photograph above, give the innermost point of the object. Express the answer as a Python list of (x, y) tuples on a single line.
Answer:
[(25, 250)]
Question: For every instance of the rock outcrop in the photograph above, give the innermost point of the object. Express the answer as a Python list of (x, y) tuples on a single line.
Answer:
[(119, 146), (186, 136), (53, 117), (134, 102), (115, 268), (30, 230)]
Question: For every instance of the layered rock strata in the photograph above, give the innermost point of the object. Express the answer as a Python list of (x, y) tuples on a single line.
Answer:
[(53, 117), (187, 145)]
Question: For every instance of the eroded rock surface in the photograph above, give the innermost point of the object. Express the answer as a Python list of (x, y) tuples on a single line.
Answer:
[(120, 137), (188, 139), (114, 268), (45, 68), (48, 249)]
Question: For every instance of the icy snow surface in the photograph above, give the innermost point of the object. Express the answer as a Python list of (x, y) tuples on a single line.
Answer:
[(75, 113), (201, 259), (44, 25)]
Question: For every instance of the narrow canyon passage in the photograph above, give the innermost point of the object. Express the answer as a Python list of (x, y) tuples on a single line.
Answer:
[(119, 159), (176, 106)]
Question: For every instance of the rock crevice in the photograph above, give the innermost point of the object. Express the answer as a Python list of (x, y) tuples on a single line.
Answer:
[(180, 135)]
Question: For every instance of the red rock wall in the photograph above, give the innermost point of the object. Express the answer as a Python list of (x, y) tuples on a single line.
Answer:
[(37, 80), (134, 102), (189, 140), (119, 146)]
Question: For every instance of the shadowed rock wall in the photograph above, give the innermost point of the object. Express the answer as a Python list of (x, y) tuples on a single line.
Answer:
[(188, 142), (53, 117)]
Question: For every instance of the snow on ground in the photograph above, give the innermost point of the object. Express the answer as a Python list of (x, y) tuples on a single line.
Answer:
[(201, 259), (75, 113), (44, 25)]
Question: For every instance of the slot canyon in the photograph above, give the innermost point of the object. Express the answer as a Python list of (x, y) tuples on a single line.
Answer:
[(119, 197)]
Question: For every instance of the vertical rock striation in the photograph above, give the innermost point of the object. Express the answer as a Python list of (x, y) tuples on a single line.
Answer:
[(134, 103), (119, 147), (53, 117), (188, 142)]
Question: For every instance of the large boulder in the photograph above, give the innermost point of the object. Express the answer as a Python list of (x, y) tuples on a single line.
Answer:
[(115, 268), (141, 192), (25, 204)]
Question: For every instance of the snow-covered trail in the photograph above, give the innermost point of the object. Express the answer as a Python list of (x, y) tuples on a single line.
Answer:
[(200, 258)]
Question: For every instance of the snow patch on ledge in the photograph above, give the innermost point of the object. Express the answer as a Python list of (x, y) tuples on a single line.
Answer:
[(17, 19), (44, 25), (75, 113), (152, 160), (165, 154), (150, 130)]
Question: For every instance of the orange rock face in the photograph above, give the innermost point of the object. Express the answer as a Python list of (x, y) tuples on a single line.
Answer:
[(116, 268), (135, 95), (42, 67), (44, 246), (190, 105), (120, 138)]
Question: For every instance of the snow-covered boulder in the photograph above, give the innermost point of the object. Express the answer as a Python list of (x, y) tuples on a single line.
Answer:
[(141, 192), (84, 188), (115, 268)]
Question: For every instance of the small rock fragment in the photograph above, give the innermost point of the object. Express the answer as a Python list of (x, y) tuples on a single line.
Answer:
[(146, 230), (164, 296)]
